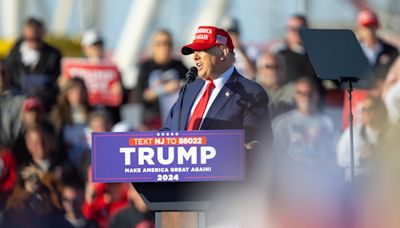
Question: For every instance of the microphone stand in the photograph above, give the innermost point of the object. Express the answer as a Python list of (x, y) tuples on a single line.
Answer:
[(181, 94)]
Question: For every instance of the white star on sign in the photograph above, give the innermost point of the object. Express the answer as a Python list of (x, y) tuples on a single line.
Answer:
[(227, 94)]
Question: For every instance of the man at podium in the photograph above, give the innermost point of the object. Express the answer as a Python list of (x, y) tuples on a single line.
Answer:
[(220, 98)]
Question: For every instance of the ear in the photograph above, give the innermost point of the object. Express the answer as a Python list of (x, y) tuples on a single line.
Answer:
[(224, 52)]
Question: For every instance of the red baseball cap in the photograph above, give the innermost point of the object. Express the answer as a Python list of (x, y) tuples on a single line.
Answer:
[(367, 18), (207, 37), (33, 103)]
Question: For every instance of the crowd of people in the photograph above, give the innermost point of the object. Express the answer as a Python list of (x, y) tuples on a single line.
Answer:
[(47, 120)]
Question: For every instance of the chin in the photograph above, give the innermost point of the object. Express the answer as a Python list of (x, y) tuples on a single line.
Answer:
[(203, 77)]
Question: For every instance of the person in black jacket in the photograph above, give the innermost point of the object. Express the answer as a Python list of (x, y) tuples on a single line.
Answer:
[(292, 50), (159, 80), (34, 65), (379, 53)]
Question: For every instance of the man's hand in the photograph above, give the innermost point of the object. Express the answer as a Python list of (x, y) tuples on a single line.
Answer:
[(251, 145)]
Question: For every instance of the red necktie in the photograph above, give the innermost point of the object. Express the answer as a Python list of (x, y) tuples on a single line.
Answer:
[(198, 113)]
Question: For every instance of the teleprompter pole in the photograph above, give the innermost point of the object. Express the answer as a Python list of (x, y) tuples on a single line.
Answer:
[(352, 166)]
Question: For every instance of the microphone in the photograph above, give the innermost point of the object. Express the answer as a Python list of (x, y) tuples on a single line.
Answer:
[(191, 75)]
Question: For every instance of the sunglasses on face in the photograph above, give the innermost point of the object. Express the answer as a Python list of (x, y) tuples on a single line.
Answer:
[(271, 66), (162, 43), (367, 109), (67, 200), (294, 28), (303, 93)]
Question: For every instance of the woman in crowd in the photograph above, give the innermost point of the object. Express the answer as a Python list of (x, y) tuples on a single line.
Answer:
[(70, 117), (367, 136)]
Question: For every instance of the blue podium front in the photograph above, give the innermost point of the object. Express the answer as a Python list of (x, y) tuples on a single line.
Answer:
[(172, 170)]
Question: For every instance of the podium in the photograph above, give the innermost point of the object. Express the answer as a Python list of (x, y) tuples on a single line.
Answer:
[(176, 173)]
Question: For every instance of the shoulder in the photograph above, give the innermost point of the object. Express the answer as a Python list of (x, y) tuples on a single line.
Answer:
[(51, 49), (249, 85), (388, 47), (326, 121), (283, 119), (147, 65), (278, 47), (15, 48), (177, 62), (178, 65)]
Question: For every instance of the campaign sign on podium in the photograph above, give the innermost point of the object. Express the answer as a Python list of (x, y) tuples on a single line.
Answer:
[(179, 156)]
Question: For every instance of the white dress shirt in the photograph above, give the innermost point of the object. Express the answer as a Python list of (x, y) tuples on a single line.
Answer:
[(219, 83), (372, 53)]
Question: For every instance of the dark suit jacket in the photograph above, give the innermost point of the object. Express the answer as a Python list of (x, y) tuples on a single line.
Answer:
[(385, 59), (241, 104)]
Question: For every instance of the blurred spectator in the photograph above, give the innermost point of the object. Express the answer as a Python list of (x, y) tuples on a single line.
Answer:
[(10, 109), (32, 115), (33, 112), (271, 76), (136, 215), (34, 64), (70, 118), (392, 77), (72, 201), (100, 121), (305, 136), (366, 137), (103, 201), (123, 126), (7, 175), (158, 82), (380, 54), (41, 145), (304, 166), (34, 202), (243, 63), (392, 102), (296, 59), (391, 92), (93, 48)]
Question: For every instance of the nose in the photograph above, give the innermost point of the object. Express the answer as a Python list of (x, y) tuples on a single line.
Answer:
[(196, 55)]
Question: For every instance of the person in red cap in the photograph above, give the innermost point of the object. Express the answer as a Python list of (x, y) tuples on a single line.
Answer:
[(33, 113), (379, 53), (220, 98)]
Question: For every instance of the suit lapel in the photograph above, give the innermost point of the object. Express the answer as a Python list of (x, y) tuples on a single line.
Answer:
[(192, 91), (223, 96)]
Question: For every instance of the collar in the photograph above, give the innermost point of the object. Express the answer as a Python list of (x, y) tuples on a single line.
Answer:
[(376, 48), (221, 80), (44, 165)]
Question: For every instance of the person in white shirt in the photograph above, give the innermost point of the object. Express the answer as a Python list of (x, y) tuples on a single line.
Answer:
[(305, 136), (366, 137)]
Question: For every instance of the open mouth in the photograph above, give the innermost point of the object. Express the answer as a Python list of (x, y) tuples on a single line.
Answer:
[(199, 66)]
